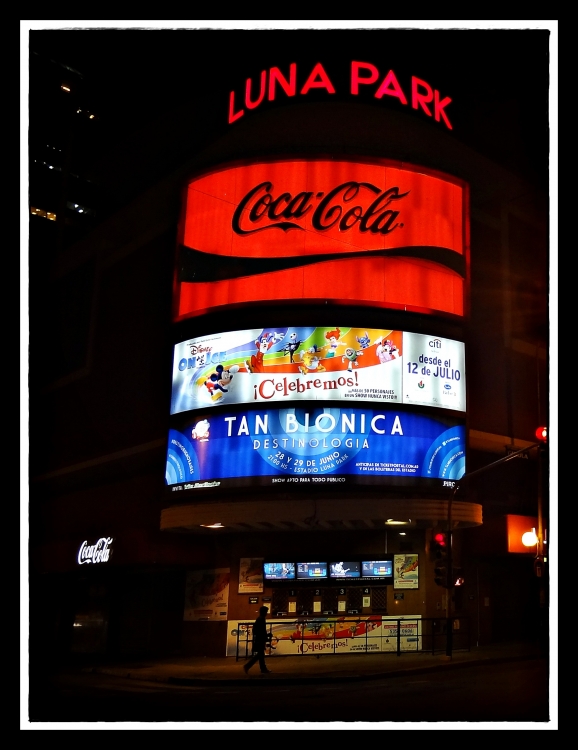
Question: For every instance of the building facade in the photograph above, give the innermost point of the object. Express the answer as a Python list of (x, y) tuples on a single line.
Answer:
[(248, 285)]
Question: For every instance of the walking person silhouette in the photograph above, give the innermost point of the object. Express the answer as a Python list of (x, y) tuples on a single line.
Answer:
[(260, 639)]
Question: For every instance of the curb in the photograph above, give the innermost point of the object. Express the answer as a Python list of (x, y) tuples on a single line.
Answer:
[(312, 680)]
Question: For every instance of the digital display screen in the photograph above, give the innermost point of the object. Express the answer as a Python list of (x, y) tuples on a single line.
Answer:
[(344, 569), (322, 445), (279, 571), (349, 363), (377, 568), (311, 570)]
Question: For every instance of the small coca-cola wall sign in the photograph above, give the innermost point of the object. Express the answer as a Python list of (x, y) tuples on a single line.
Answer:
[(99, 552)]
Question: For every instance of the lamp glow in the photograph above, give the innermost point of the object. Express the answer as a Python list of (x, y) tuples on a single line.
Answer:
[(529, 538)]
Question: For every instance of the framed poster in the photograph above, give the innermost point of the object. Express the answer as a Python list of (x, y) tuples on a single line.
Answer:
[(207, 594), (251, 575), (406, 571)]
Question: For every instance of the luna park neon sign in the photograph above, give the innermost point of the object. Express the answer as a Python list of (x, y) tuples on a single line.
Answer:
[(420, 95)]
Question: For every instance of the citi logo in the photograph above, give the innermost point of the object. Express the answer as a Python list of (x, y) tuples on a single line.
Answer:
[(435, 344)]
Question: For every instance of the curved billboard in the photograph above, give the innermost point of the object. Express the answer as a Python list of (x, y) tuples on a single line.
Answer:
[(376, 233), (339, 363), (325, 446)]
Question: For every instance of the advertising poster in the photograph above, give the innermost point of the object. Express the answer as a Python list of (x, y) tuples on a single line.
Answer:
[(406, 571), (207, 594), (315, 446), (374, 234), (342, 635), (251, 575), (287, 365)]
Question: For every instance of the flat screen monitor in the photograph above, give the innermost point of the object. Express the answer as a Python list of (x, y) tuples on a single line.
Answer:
[(279, 571), (377, 568), (345, 569), (309, 571)]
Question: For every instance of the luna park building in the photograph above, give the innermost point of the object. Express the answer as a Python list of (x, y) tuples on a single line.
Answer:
[(298, 356)]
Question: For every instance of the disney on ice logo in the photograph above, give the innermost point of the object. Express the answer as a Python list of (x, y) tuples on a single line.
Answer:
[(95, 553)]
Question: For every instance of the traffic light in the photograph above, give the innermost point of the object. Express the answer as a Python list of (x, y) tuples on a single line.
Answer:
[(440, 554), (457, 576), (542, 434)]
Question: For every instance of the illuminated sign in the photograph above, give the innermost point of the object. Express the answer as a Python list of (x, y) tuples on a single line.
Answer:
[(326, 446), (272, 82), (363, 233), (95, 553), (300, 363)]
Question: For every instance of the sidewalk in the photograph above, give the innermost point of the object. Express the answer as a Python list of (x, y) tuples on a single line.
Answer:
[(310, 669)]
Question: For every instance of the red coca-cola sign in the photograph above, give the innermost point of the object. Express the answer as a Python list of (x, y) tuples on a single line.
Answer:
[(365, 233)]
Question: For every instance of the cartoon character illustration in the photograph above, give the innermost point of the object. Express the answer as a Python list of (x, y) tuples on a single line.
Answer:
[(339, 570), (201, 431), (363, 341), (217, 381), (408, 566), (386, 350), (350, 357), (311, 360), (292, 345), (263, 344), (334, 342)]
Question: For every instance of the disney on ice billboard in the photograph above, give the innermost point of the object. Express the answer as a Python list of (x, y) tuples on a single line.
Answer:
[(375, 233), (323, 446), (288, 364)]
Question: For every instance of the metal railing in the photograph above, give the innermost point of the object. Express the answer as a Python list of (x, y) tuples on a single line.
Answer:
[(330, 636)]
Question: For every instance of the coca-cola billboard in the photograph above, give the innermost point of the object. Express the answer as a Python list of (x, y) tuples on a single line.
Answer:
[(366, 233)]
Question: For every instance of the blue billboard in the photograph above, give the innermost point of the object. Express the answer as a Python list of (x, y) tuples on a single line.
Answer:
[(326, 446)]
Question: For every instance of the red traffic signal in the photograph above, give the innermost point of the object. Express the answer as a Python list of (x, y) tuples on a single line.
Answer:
[(542, 434), (440, 539)]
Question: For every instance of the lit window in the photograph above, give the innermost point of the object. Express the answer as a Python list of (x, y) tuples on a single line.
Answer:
[(51, 216), (80, 209)]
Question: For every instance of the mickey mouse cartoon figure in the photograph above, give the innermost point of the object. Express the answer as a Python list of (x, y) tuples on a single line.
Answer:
[(217, 381)]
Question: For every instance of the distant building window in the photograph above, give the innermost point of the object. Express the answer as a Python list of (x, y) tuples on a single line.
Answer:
[(77, 208), (86, 113), (41, 212)]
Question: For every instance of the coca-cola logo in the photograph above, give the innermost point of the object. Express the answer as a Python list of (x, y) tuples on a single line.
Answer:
[(350, 205), (95, 553)]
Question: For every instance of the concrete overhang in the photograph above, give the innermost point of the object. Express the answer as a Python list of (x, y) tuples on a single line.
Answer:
[(321, 514)]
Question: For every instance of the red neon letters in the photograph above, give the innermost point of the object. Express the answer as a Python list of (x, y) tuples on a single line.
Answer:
[(362, 74)]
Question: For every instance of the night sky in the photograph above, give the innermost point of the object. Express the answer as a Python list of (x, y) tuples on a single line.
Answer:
[(498, 79)]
